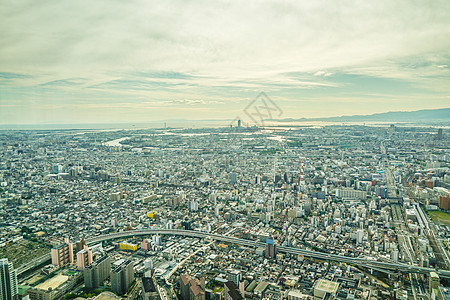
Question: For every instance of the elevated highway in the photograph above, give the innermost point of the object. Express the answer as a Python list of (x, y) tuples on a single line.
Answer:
[(363, 262)]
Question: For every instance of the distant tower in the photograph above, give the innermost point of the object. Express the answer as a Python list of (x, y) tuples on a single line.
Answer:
[(274, 168), (302, 175), (439, 134), (233, 178), (239, 123)]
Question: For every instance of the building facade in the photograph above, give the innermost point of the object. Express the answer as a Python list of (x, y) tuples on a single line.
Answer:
[(84, 258), (62, 255), (121, 277), (97, 272), (8, 280)]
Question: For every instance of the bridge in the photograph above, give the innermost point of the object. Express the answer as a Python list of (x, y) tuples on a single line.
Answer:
[(389, 267)]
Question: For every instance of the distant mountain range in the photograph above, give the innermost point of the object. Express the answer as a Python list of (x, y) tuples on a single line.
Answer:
[(425, 115)]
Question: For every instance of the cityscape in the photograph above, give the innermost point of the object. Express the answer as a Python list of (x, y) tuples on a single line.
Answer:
[(310, 212)]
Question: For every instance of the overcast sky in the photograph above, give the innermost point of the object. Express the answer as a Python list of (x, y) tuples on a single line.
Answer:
[(140, 61)]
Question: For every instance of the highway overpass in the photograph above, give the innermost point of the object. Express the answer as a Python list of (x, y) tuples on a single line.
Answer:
[(363, 262)]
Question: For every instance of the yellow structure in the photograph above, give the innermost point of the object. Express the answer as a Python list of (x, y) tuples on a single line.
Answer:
[(152, 214), (127, 246)]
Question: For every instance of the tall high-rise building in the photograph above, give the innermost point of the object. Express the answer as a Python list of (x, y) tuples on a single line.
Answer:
[(84, 258), (169, 225), (156, 240), (122, 275), (63, 254), (194, 205), (97, 272), (439, 134), (235, 276), (8, 280), (359, 236), (434, 281), (444, 202), (302, 174), (233, 178), (270, 249), (394, 254)]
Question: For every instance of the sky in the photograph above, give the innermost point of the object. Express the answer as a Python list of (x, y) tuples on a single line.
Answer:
[(141, 61)]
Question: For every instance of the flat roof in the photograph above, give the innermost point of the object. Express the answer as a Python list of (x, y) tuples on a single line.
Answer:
[(327, 286), (434, 275), (119, 262), (53, 282), (261, 287)]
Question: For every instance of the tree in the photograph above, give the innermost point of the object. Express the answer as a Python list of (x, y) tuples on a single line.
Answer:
[(26, 229)]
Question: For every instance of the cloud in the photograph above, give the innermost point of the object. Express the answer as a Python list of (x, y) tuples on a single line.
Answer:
[(227, 38), (219, 51), (7, 75), (65, 82)]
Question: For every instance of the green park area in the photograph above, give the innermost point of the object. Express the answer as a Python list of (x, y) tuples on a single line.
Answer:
[(440, 217)]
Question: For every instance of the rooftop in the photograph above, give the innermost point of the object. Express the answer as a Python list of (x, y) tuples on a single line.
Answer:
[(53, 282), (327, 286)]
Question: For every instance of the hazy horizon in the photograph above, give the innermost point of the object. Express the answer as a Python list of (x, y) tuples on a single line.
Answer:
[(103, 62)]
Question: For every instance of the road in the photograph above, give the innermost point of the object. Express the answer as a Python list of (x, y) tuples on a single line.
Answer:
[(390, 180), (406, 247), (364, 262)]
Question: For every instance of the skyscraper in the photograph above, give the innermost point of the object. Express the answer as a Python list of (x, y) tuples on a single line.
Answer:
[(439, 134), (8, 280), (233, 178), (270, 249), (97, 272), (121, 276)]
